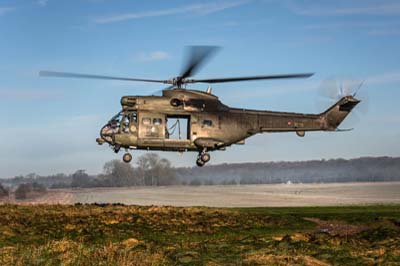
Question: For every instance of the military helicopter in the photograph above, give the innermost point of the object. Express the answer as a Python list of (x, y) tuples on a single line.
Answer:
[(190, 120)]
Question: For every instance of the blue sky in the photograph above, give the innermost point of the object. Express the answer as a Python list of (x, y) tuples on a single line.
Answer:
[(50, 125)]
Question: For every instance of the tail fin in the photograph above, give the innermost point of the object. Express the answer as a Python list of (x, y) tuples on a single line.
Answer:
[(338, 112)]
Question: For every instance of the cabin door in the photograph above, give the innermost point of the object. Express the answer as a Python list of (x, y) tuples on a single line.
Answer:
[(151, 129), (177, 132)]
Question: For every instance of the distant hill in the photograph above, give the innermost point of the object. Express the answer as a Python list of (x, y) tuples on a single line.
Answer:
[(367, 169), (158, 171)]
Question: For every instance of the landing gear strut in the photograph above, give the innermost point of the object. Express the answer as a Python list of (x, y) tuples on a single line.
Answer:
[(127, 157), (117, 148), (203, 158)]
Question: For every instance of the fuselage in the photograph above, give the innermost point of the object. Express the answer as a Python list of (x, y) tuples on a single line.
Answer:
[(203, 122)]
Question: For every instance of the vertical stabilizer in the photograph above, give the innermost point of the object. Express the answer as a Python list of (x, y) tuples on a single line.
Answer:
[(335, 115)]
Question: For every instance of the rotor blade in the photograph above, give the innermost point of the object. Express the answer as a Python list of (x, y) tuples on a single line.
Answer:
[(197, 56), (221, 80), (88, 76)]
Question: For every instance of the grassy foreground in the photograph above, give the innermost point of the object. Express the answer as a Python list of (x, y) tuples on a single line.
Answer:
[(134, 235)]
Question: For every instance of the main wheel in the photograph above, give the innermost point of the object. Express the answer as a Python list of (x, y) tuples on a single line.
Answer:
[(200, 162), (127, 157), (205, 157)]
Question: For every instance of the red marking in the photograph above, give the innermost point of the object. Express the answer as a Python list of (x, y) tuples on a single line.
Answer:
[(289, 123)]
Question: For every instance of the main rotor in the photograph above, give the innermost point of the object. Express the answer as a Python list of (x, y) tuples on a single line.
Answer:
[(196, 57)]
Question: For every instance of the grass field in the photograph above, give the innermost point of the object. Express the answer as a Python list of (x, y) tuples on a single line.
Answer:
[(139, 235)]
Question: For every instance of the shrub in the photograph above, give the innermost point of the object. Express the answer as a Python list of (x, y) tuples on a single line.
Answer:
[(23, 190), (3, 191)]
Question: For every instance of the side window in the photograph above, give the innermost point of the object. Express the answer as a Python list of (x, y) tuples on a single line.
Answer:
[(157, 121), (134, 117), (207, 123), (146, 121)]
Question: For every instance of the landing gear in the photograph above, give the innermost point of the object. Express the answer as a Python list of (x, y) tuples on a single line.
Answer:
[(200, 163), (203, 158), (117, 148), (127, 157)]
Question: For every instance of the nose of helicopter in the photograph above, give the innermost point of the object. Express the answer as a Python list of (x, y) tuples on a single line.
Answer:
[(107, 133), (100, 140)]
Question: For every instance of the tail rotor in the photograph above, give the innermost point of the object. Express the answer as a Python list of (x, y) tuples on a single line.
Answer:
[(332, 90)]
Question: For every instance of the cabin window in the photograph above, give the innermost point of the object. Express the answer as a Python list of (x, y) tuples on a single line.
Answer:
[(207, 123), (134, 117), (146, 121), (157, 121)]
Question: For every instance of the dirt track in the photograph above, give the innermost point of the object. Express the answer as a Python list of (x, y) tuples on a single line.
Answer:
[(236, 196)]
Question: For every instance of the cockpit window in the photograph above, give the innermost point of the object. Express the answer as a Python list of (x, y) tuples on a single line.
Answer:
[(207, 123), (116, 117), (146, 121), (157, 121)]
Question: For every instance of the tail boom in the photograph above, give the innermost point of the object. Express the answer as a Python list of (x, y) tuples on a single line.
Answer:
[(299, 123)]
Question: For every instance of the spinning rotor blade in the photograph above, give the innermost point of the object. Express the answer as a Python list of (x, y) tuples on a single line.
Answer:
[(88, 76), (331, 90), (221, 80), (197, 56)]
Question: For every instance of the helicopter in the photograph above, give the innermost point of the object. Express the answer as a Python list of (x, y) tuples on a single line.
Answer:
[(184, 119)]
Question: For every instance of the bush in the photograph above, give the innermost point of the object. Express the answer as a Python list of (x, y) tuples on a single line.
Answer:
[(3, 191), (23, 190), (195, 182)]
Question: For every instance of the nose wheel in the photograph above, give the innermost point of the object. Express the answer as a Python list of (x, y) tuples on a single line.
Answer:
[(127, 157), (203, 158)]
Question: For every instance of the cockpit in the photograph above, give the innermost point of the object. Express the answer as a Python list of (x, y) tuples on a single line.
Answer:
[(122, 123)]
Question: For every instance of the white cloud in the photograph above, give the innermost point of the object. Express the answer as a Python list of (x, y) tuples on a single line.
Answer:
[(42, 2), (384, 32), (12, 94), (371, 28), (385, 78), (153, 56), (362, 8), (4, 10), (199, 9)]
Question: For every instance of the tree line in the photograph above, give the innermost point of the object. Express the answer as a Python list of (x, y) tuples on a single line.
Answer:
[(153, 170)]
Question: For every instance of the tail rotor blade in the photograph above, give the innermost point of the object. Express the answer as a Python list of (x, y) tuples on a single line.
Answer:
[(358, 88), (329, 89)]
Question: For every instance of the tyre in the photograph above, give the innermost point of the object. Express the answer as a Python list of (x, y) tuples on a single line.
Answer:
[(200, 163), (205, 157), (127, 157)]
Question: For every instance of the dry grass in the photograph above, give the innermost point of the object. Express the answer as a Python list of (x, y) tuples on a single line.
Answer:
[(138, 235)]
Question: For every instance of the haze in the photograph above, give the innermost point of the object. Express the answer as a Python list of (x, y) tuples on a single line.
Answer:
[(50, 125)]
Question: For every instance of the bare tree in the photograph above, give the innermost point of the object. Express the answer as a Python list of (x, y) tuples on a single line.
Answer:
[(120, 174), (80, 179), (155, 171)]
